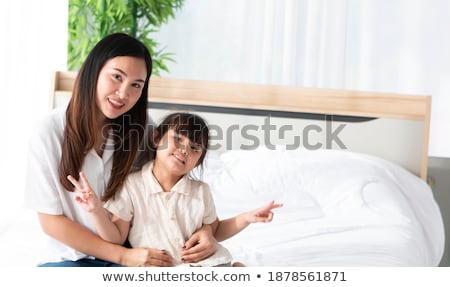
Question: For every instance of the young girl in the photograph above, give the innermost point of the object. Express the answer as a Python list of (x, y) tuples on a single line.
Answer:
[(161, 205), (98, 133)]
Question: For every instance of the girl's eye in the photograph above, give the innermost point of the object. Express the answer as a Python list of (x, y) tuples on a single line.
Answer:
[(136, 85), (177, 138), (195, 148)]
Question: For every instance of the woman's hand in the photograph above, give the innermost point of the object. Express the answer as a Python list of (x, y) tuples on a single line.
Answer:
[(201, 245), (146, 257)]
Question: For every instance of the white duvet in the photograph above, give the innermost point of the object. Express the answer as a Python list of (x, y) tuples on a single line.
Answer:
[(340, 209)]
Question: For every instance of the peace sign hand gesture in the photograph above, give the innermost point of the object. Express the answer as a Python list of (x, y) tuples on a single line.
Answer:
[(85, 196)]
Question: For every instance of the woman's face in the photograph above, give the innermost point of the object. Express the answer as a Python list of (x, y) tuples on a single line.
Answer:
[(120, 84)]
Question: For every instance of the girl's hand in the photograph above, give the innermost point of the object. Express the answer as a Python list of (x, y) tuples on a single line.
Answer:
[(263, 214), (85, 196)]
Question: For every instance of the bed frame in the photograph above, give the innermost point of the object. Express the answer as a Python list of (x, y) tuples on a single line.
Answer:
[(392, 126)]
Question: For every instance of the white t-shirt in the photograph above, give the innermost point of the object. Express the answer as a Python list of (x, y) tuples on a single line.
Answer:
[(166, 220), (44, 192)]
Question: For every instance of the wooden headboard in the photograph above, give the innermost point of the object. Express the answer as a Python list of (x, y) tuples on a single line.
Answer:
[(242, 97)]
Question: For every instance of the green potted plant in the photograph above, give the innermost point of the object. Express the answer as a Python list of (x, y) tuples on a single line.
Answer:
[(91, 20)]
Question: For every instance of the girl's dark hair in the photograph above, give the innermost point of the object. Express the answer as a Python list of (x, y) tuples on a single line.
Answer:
[(190, 125), (80, 133)]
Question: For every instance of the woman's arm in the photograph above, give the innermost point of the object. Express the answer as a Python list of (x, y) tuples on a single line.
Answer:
[(231, 226), (80, 238)]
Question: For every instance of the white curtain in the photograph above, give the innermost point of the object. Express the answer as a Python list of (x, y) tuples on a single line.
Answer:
[(34, 43), (400, 46)]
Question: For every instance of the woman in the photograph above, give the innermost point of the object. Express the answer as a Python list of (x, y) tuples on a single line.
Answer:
[(99, 134)]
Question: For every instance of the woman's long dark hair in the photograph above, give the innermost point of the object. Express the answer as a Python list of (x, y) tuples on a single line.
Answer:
[(80, 132)]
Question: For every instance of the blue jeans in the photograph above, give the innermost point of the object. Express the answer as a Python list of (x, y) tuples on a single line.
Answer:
[(81, 263)]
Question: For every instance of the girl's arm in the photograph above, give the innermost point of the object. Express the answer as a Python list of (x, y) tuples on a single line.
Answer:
[(231, 226), (114, 230)]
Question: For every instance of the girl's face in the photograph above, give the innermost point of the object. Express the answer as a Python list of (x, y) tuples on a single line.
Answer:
[(120, 84), (177, 154)]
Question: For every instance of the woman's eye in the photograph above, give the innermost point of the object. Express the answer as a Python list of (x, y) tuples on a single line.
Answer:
[(117, 77), (137, 86), (177, 138)]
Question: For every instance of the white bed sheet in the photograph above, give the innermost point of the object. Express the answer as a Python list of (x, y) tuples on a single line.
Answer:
[(340, 209)]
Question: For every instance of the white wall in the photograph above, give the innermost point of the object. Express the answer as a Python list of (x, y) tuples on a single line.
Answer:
[(34, 43), (398, 46)]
